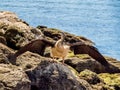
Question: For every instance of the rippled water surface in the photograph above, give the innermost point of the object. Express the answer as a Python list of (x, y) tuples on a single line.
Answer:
[(98, 20)]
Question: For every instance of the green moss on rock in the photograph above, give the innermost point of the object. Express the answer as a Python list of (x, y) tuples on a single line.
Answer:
[(111, 79), (81, 56), (90, 76)]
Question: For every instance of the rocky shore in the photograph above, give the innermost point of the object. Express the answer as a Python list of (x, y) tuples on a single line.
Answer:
[(36, 72)]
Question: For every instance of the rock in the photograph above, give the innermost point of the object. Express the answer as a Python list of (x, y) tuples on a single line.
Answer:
[(93, 79), (2, 32), (5, 49), (8, 18), (112, 81), (43, 73), (41, 26), (55, 34), (4, 52), (90, 77), (55, 76), (83, 61), (115, 64), (29, 60), (48, 75), (3, 40), (103, 81), (81, 64), (13, 78), (16, 31), (18, 35)]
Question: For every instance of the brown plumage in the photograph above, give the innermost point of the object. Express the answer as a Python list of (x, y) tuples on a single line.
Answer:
[(36, 46), (91, 51), (60, 50)]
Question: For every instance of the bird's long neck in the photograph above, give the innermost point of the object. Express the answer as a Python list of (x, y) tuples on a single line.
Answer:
[(62, 37), (59, 43)]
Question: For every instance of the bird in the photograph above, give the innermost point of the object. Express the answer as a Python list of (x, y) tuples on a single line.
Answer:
[(60, 49)]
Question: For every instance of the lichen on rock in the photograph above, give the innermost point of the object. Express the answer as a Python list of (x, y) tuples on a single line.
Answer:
[(90, 76), (112, 80)]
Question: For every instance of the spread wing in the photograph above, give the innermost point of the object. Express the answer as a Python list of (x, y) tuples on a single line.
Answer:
[(36, 46), (83, 48)]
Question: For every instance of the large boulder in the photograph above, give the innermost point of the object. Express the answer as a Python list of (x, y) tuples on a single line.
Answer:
[(81, 64), (45, 74), (13, 78), (29, 60), (55, 76), (83, 61), (9, 18), (16, 31)]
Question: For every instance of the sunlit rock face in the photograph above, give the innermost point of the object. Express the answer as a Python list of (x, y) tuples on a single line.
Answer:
[(16, 32), (13, 78)]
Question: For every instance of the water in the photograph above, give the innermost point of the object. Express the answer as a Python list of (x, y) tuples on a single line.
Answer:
[(98, 20)]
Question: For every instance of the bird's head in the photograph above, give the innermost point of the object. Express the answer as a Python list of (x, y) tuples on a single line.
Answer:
[(62, 35)]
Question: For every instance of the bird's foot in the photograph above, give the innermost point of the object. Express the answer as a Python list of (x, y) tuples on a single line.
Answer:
[(54, 61), (62, 61)]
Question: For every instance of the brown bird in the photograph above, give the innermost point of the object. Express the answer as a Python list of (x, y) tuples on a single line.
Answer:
[(60, 50)]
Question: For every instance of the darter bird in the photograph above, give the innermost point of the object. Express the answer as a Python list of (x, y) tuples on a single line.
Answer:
[(60, 49)]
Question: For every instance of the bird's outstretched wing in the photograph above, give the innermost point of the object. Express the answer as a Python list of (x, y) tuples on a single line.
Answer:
[(36, 46), (82, 48)]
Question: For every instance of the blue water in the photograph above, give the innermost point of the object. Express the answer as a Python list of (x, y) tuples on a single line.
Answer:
[(98, 20)]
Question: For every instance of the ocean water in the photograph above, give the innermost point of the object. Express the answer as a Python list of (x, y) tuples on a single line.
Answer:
[(98, 20)]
